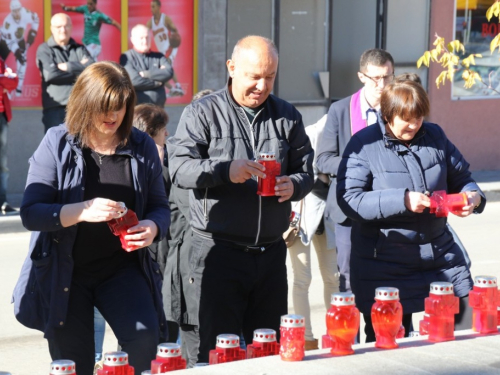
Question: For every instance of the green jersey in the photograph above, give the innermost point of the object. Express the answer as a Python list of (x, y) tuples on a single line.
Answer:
[(93, 22)]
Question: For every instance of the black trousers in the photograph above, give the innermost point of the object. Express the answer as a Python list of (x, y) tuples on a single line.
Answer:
[(239, 291), (125, 301)]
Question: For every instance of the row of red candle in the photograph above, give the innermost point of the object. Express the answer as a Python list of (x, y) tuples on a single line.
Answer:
[(342, 325), (115, 363), (440, 307)]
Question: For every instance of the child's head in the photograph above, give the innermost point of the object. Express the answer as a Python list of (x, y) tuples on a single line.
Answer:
[(152, 120)]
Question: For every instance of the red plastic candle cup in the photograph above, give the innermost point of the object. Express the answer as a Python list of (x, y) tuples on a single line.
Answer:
[(387, 317), (342, 323), (326, 342), (266, 185), (424, 325), (440, 309), (264, 344), (227, 349), (292, 337), (483, 299), (168, 358), (442, 203), (121, 224), (62, 367), (116, 363)]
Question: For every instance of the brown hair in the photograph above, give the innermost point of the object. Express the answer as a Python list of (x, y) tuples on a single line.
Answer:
[(101, 88), (376, 57), (150, 118), (406, 99), (408, 77)]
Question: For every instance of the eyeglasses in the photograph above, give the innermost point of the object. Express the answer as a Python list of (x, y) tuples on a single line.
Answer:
[(386, 79)]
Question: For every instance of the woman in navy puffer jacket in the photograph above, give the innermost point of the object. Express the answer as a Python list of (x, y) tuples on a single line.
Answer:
[(386, 176)]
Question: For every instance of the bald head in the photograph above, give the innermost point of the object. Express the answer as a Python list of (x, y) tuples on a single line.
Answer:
[(61, 27), (255, 43), (140, 38), (253, 67)]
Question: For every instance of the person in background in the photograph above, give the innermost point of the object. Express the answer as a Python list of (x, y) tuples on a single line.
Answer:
[(8, 82), (18, 39), (93, 20), (83, 174), (384, 180), (153, 120), (179, 295), (239, 255), (148, 70), (312, 234), (345, 118), (60, 60)]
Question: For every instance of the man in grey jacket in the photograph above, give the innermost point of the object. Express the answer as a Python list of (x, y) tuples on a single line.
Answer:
[(60, 60), (148, 70), (238, 267), (345, 118)]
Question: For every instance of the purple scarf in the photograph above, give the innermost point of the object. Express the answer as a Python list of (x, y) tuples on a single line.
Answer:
[(357, 122)]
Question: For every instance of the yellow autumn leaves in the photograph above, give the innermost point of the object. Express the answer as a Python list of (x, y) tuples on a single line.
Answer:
[(447, 55)]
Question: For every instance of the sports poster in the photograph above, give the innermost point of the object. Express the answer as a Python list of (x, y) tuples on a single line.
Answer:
[(180, 13), (106, 41), (86, 26), (21, 28)]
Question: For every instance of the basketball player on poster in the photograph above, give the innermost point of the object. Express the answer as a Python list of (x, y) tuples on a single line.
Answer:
[(15, 39), (167, 41)]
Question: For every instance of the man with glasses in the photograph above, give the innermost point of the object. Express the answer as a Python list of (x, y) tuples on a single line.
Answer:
[(346, 117)]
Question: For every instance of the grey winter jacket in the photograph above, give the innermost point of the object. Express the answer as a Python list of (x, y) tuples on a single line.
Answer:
[(214, 131), (56, 83), (392, 246), (148, 87)]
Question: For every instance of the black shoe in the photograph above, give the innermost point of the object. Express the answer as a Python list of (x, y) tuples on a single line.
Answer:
[(7, 208)]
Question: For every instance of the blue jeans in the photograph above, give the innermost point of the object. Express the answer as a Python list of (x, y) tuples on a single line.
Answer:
[(99, 329), (53, 116), (125, 301), (4, 171)]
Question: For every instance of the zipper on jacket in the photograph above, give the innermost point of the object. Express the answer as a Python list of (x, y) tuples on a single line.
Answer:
[(375, 252), (205, 212), (259, 219)]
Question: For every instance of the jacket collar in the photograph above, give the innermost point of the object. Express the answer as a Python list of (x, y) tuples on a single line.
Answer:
[(389, 140), (136, 136)]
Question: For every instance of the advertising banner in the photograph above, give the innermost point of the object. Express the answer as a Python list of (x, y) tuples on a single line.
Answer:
[(475, 32), (21, 32), (95, 25), (164, 18)]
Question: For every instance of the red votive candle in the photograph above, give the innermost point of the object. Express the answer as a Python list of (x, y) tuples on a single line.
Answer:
[(292, 339), (342, 322), (387, 317)]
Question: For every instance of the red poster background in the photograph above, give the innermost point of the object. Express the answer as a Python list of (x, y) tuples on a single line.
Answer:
[(181, 12), (31, 95), (109, 35)]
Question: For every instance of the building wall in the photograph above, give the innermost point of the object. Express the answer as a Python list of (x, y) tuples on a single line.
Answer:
[(472, 125)]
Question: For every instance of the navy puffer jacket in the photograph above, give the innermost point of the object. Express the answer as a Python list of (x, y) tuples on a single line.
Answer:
[(392, 246)]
